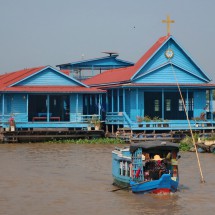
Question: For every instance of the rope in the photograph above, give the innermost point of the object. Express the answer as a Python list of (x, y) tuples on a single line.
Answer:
[(191, 131)]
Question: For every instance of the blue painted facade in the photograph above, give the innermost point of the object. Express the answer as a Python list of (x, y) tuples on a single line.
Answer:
[(48, 77), (31, 107), (51, 98), (88, 68), (109, 62), (180, 68), (154, 91)]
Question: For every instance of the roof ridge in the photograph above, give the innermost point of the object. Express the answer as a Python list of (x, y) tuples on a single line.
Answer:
[(126, 74), (151, 50)]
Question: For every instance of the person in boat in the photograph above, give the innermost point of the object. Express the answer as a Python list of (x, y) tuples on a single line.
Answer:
[(157, 167)]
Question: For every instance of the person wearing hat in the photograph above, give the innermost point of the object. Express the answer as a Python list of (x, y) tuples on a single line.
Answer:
[(157, 158), (159, 167)]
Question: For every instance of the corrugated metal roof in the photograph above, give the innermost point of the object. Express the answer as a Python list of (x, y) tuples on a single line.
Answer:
[(12, 77), (97, 63), (6, 80), (124, 74)]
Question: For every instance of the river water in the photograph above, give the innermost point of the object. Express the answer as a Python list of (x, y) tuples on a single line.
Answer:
[(61, 179)]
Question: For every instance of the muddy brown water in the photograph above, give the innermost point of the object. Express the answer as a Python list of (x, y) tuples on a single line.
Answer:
[(61, 179)]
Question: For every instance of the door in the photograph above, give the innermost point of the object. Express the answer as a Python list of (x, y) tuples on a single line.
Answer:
[(153, 104)]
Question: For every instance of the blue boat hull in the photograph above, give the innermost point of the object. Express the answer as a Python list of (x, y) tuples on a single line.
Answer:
[(165, 185), (132, 169)]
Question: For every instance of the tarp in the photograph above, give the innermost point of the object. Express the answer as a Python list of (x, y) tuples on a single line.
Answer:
[(155, 145)]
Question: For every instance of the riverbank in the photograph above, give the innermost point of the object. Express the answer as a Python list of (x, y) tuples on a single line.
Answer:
[(185, 145), (89, 141)]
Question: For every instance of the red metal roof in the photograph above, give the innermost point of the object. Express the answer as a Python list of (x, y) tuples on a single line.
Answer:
[(125, 74), (12, 77), (6, 80), (65, 71)]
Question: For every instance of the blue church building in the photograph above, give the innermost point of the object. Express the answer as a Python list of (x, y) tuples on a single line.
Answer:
[(153, 94), (158, 91)]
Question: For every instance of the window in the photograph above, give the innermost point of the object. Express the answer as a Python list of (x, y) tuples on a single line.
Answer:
[(157, 105), (168, 104), (189, 106), (180, 105)]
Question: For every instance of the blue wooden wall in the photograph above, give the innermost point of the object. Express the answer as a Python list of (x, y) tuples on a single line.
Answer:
[(168, 74), (76, 107), (134, 101), (15, 105), (159, 69), (48, 77), (199, 102), (133, 104)]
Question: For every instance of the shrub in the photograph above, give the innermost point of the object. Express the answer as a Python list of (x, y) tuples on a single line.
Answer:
[(186, 144)]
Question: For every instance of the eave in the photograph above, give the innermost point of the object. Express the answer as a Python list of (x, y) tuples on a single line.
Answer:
[(50, 89), (160, 85)]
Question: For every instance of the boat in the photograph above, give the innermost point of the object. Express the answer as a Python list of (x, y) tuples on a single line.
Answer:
[(146, 167)]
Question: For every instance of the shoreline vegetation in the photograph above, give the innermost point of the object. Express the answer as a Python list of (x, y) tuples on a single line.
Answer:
[(89, 141), (186, 144)]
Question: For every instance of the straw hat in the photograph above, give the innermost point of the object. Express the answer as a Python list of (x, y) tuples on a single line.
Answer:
[(157, 158)]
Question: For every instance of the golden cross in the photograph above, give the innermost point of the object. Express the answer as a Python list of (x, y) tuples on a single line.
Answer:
[(168, 21)]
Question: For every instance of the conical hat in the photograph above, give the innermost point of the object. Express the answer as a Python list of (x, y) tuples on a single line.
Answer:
[(157, 158)]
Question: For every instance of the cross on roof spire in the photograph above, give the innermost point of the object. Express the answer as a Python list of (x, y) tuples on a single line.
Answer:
[(168, 21)]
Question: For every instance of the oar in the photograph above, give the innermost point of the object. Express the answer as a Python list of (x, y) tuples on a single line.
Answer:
[(122, 188)]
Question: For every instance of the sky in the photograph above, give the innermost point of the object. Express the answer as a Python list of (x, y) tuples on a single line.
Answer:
[(51, 32)]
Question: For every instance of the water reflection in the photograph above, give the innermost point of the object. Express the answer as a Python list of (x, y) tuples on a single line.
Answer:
[(66, 179)]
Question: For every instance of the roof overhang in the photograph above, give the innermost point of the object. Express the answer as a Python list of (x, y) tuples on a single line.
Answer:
[(156, 145), (51, 89), (160, 85)]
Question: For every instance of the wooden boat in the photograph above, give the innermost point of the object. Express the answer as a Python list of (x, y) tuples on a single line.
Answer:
[(150, 166)]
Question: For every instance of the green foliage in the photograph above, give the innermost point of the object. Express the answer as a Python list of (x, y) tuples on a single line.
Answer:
[(157, 119), (89, 141), (210, 138), (95, 121), (184, 146), (187, 143), (146, 119)]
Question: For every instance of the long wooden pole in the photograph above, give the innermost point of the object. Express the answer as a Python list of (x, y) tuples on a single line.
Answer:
[(191, 131)]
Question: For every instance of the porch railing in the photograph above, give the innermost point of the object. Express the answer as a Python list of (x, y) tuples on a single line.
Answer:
[(118, 118), (22, 118), (121, 118)]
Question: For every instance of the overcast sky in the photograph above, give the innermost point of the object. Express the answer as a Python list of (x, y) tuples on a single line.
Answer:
[(52, 32)]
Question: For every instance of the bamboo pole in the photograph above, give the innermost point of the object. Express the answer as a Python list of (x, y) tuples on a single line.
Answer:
[(191, 131)]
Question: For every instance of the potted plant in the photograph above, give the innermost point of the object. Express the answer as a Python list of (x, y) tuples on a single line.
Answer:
[(12, 123), (147, 119), (140, 119), (157, 119), (96, 122)]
